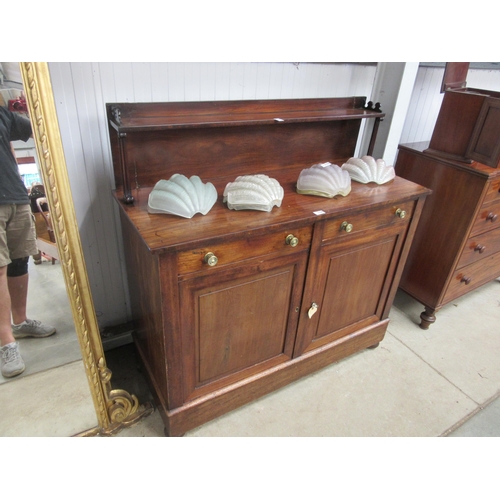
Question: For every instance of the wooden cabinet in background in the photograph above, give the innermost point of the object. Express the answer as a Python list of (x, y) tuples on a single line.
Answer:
[(289, 291), (457, 244), (45, 240), (468, 127)]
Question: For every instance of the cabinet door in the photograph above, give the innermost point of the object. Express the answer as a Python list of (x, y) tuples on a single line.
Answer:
[(239, 321), (350, 287), (484, 145)]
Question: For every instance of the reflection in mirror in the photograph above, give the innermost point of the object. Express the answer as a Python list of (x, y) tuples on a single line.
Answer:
[(27, 397), (54, 379)]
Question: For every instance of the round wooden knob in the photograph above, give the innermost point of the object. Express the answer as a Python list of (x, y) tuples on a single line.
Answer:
[(479, 248), (466, 280), (346, 227), (492, 217), (211, 259)]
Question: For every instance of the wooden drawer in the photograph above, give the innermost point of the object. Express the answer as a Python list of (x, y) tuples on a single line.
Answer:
[(480, 246), (191, 261), (473, 276), (493, 193), (488, 218), (368, 220)]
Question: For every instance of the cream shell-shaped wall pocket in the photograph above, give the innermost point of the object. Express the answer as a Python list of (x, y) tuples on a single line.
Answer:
[(253, 192), (366, 169), (324, 179), (182, 196)]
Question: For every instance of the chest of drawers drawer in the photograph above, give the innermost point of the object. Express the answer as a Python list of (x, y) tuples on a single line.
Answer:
[(472, 276), (488, 218), (479, 247), (493, 193)]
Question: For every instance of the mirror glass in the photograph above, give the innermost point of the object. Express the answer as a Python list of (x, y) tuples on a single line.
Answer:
[(55, 400), (54, 378)]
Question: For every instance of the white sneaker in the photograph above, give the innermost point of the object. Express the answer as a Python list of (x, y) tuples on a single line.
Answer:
[(32, 328), (12, 362)]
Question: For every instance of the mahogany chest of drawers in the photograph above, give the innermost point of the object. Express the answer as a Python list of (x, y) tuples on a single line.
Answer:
[(457, 244)]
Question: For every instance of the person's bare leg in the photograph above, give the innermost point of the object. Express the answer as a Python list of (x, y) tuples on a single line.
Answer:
[(18, 290), (6, 336)]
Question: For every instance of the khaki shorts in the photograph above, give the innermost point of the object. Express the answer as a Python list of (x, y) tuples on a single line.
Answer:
[(17, 233)]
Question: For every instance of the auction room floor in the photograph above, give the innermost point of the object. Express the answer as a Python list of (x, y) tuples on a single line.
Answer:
[(444, 381)]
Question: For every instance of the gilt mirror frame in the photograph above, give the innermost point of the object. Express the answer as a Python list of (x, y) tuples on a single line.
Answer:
[(115, 408)]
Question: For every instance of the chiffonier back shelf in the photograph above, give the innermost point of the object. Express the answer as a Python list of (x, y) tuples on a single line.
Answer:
[(152, 141)]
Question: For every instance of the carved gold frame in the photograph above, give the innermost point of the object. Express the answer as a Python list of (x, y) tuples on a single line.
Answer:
[(115, 408)]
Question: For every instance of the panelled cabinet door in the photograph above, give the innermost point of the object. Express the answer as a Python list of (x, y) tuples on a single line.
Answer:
[(349, 288), (484, 145), (239, 321)]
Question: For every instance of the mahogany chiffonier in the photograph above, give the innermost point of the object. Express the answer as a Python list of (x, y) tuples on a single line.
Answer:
[(290, 291), (457, 245)]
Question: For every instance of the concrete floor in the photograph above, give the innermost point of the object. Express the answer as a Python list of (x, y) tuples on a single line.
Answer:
[(441, 382), (52, 396)]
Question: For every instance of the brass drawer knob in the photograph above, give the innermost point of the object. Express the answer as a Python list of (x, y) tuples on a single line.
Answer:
[(479, 248), (211, 259), (292, 240), (345, 226), (466, 280), (400, 213), (492, 217)]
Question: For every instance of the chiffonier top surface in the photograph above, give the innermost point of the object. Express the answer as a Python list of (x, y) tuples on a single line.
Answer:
[(220, 140), (164, 232), (473, 167)]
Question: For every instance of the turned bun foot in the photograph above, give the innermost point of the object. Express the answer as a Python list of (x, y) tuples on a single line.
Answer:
[(427, 318)]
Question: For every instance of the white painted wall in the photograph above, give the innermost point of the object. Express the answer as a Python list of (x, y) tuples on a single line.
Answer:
[(392, 87), (81, 91)]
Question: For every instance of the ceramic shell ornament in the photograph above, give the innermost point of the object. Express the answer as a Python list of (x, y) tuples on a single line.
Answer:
[(182, 196), (324, 179), (253, 192), (366, 169)]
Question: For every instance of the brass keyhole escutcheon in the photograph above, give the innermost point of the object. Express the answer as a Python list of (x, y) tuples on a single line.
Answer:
[(345, 226), (292, 240), (400, 213), (211, 259), (312, 310)]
